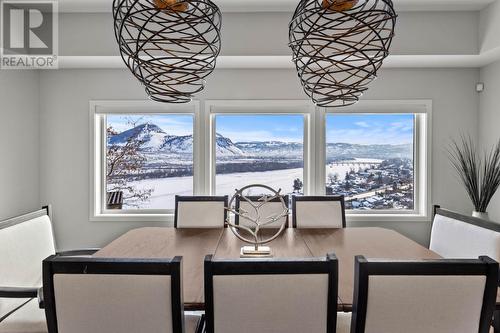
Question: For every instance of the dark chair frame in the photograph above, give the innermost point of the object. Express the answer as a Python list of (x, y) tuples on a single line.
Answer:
[(286, 198), (200, 198), (437, 210), (365, 268), (21, 292), (317, 198), (328, 265), (65, 265)]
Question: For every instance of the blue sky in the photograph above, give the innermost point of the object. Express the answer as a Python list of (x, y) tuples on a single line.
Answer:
[(171, 124), (286, 128), (370, 128), (350, 128)]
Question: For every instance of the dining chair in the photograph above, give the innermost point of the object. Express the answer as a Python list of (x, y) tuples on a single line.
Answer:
[(271, 208), (459, 236), (431, 296), (454, 235), (25, 241), (271, 295), (200, 211), (318, 212), (110, 295)]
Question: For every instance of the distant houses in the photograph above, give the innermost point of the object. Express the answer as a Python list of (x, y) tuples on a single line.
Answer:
[(389, 185)]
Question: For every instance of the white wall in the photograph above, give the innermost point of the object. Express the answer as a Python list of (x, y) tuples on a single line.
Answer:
[(489, 120), (64, 125), (489, 27), (19, 142)]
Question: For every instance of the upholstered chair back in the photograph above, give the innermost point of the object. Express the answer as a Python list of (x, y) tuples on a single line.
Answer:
[(268, 209), (458, 236), (318, 212), (24, 242), (200, 211), (100, 295), (271, 296), (437, 296)]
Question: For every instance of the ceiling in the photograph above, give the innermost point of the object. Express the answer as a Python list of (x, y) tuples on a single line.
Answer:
[(98, 6)]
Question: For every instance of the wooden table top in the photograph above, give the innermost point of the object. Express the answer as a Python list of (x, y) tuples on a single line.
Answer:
[(194, 244)]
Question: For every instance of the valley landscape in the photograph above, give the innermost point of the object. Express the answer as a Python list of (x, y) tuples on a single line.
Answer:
[(370, 176)]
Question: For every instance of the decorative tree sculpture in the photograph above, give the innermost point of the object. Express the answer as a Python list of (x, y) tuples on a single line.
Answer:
[(255, 220)]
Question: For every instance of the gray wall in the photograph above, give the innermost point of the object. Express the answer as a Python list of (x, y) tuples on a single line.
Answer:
[(64, 126), (19, 142), (489, 120), (267, 34)]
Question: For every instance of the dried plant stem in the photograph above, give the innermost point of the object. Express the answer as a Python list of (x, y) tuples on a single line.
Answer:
[(480, 176)]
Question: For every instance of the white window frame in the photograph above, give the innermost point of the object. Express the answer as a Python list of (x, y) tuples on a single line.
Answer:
[(422, 109), (260, 107), (314, 149), (98, 112)]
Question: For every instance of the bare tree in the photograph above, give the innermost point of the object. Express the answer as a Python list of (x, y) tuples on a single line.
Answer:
[(122, 161)]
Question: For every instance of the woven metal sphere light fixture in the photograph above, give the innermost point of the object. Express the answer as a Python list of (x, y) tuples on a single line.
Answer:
[(339, 45), (171, 46)]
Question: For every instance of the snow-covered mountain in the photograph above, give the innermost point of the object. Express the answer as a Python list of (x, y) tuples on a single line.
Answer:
[(349, 150), (152, 136), (156, 140), (271, 148), (226, 147)]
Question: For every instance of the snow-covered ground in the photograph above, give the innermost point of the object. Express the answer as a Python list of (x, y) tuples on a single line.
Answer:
[(278, 179), (165, 189)]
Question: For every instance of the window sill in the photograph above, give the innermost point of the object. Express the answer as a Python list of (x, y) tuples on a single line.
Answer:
[(169, 218), (160, 218), (391, 218)]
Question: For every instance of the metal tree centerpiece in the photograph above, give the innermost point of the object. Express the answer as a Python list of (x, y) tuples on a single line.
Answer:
[(339, 45), (171, 46), (255, 220)]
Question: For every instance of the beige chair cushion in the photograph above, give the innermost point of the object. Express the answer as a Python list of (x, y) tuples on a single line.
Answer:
[(100, 303), (22, 248), (452, 238), (430, 304), (270, 303), (344, 322), (200, 214), (318, 214), (28, 319), (270, 209)]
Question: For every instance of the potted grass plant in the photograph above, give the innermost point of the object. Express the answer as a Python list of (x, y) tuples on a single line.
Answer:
[(480, 175)]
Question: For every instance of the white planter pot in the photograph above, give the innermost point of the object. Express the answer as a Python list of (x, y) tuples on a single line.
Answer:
[(480, 215)]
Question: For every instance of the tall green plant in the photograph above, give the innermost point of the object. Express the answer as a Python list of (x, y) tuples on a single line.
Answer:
[(480, 176)]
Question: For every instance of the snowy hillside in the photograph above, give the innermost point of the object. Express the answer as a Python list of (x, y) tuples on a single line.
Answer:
[(156, 140)]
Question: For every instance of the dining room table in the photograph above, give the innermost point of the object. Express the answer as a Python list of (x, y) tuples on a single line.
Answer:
[(194, 244)]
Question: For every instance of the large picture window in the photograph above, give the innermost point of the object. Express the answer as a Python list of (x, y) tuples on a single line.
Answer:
[(149, 159), (370, 160), (144, 153), (259, 149)]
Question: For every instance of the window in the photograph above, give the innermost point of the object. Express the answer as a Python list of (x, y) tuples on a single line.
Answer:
[(259, 149), (369, 160), (142, 157), (375, 153), (149, 159)]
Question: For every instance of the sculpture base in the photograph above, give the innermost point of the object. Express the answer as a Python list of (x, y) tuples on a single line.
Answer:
[(251, 252)]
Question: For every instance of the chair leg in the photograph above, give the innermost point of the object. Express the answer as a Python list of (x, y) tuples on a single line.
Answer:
[(201, 325), (496, 321)]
